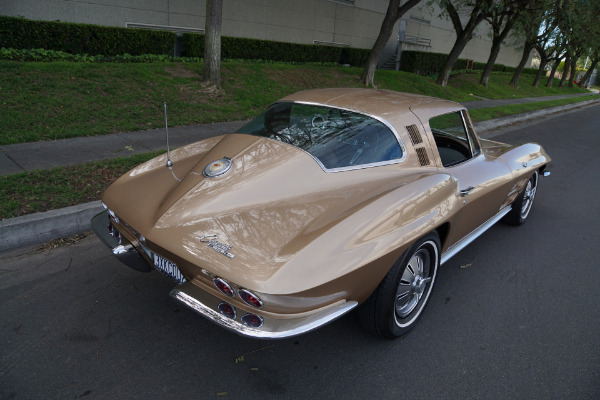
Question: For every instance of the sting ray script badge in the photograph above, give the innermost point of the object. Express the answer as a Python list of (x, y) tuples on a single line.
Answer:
[(217, 246)]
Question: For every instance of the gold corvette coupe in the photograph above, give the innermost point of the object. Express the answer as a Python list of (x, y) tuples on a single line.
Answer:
[(332, 199)]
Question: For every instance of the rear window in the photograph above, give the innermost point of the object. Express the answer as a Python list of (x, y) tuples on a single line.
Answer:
[(337, 138)]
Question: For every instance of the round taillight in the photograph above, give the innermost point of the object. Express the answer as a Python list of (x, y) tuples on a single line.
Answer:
[(227, 310), (252, 320), (223, 287), (250, 298)]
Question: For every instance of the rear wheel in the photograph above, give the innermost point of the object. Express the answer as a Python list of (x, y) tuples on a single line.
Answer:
[(399, 300), (522, 205)]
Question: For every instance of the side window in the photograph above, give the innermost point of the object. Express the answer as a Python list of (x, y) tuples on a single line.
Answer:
[(454, 138)]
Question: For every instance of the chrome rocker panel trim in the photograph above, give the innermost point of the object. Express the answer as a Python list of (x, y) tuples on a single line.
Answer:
[(206, 305), (464, 242)]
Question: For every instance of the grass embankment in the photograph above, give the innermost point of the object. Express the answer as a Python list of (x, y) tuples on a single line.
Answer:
[(483, 114), (54, 100), (42, 190)]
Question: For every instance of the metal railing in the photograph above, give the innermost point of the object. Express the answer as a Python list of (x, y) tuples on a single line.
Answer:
[(418, 40)]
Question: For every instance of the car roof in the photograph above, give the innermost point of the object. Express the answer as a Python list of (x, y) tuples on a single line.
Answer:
[(395, 107)]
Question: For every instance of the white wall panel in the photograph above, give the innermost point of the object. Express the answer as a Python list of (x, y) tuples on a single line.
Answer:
[(284, 20)]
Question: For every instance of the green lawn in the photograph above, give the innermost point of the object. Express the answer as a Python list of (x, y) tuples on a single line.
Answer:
[(42, 190), (483, 114), (53, 100), (43, 101)]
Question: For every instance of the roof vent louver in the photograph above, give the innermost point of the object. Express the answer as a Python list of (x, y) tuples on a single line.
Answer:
[(415, 135), (422, 154)]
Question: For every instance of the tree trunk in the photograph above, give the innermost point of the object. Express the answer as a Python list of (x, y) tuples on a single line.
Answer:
[(393, 14), (563, 80), (459, 46), (385, 32), (496, 43), (554, 68), (588, 73), (463, 35), (573, 73), (526, 51), (212, 44), (489, 66), (541, 69)]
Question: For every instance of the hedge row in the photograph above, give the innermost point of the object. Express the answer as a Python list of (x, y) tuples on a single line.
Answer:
[(43, 55), (20, 33), (95, 40), (251, 49), (422, 63)]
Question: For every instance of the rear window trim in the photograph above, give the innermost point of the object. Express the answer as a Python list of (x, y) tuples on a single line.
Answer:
[(354, 167)]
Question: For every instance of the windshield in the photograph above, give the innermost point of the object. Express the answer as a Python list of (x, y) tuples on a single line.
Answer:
[(337, 138)]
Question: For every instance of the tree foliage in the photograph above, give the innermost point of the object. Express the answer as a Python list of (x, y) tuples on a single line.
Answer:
[(535, 23), (557, 29), (576, 34)]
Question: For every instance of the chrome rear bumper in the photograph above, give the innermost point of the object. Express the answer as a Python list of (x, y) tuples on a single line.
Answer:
[(124, 251), (274, 326)]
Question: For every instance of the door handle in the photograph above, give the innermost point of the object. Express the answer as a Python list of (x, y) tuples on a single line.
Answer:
[(466, 191)]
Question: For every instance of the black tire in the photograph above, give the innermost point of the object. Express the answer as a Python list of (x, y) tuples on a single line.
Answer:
[(399, 300), (521, 207)]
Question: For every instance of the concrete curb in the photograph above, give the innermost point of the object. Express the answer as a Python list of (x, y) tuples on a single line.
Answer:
[(45, 226), (42, 227)]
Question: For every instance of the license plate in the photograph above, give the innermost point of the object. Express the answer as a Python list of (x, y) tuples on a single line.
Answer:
[(168, 268)]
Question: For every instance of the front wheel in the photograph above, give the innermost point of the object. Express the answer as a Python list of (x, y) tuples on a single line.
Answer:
[(522, 205), (399, 300)]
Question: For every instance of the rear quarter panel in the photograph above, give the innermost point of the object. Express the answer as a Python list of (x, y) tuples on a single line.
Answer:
[(353, 254), (522, 160)]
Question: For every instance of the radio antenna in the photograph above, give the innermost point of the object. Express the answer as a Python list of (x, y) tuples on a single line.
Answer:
[(169, 163)]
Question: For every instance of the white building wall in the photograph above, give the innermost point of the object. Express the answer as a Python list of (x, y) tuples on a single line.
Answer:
[(441, 32), (306, 21)]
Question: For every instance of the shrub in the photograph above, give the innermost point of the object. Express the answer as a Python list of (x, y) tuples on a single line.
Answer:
[(95, 40), (354, 57), (479, 66), (193, 45), (255, 49), (20, 33), (249, 49), (277, 51), (422, 63), (43, 55)]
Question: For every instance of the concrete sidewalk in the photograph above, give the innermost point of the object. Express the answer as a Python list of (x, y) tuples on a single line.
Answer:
[(41, 227), (48, 154)]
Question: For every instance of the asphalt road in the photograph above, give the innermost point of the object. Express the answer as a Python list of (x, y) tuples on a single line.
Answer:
[(515, 315)]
